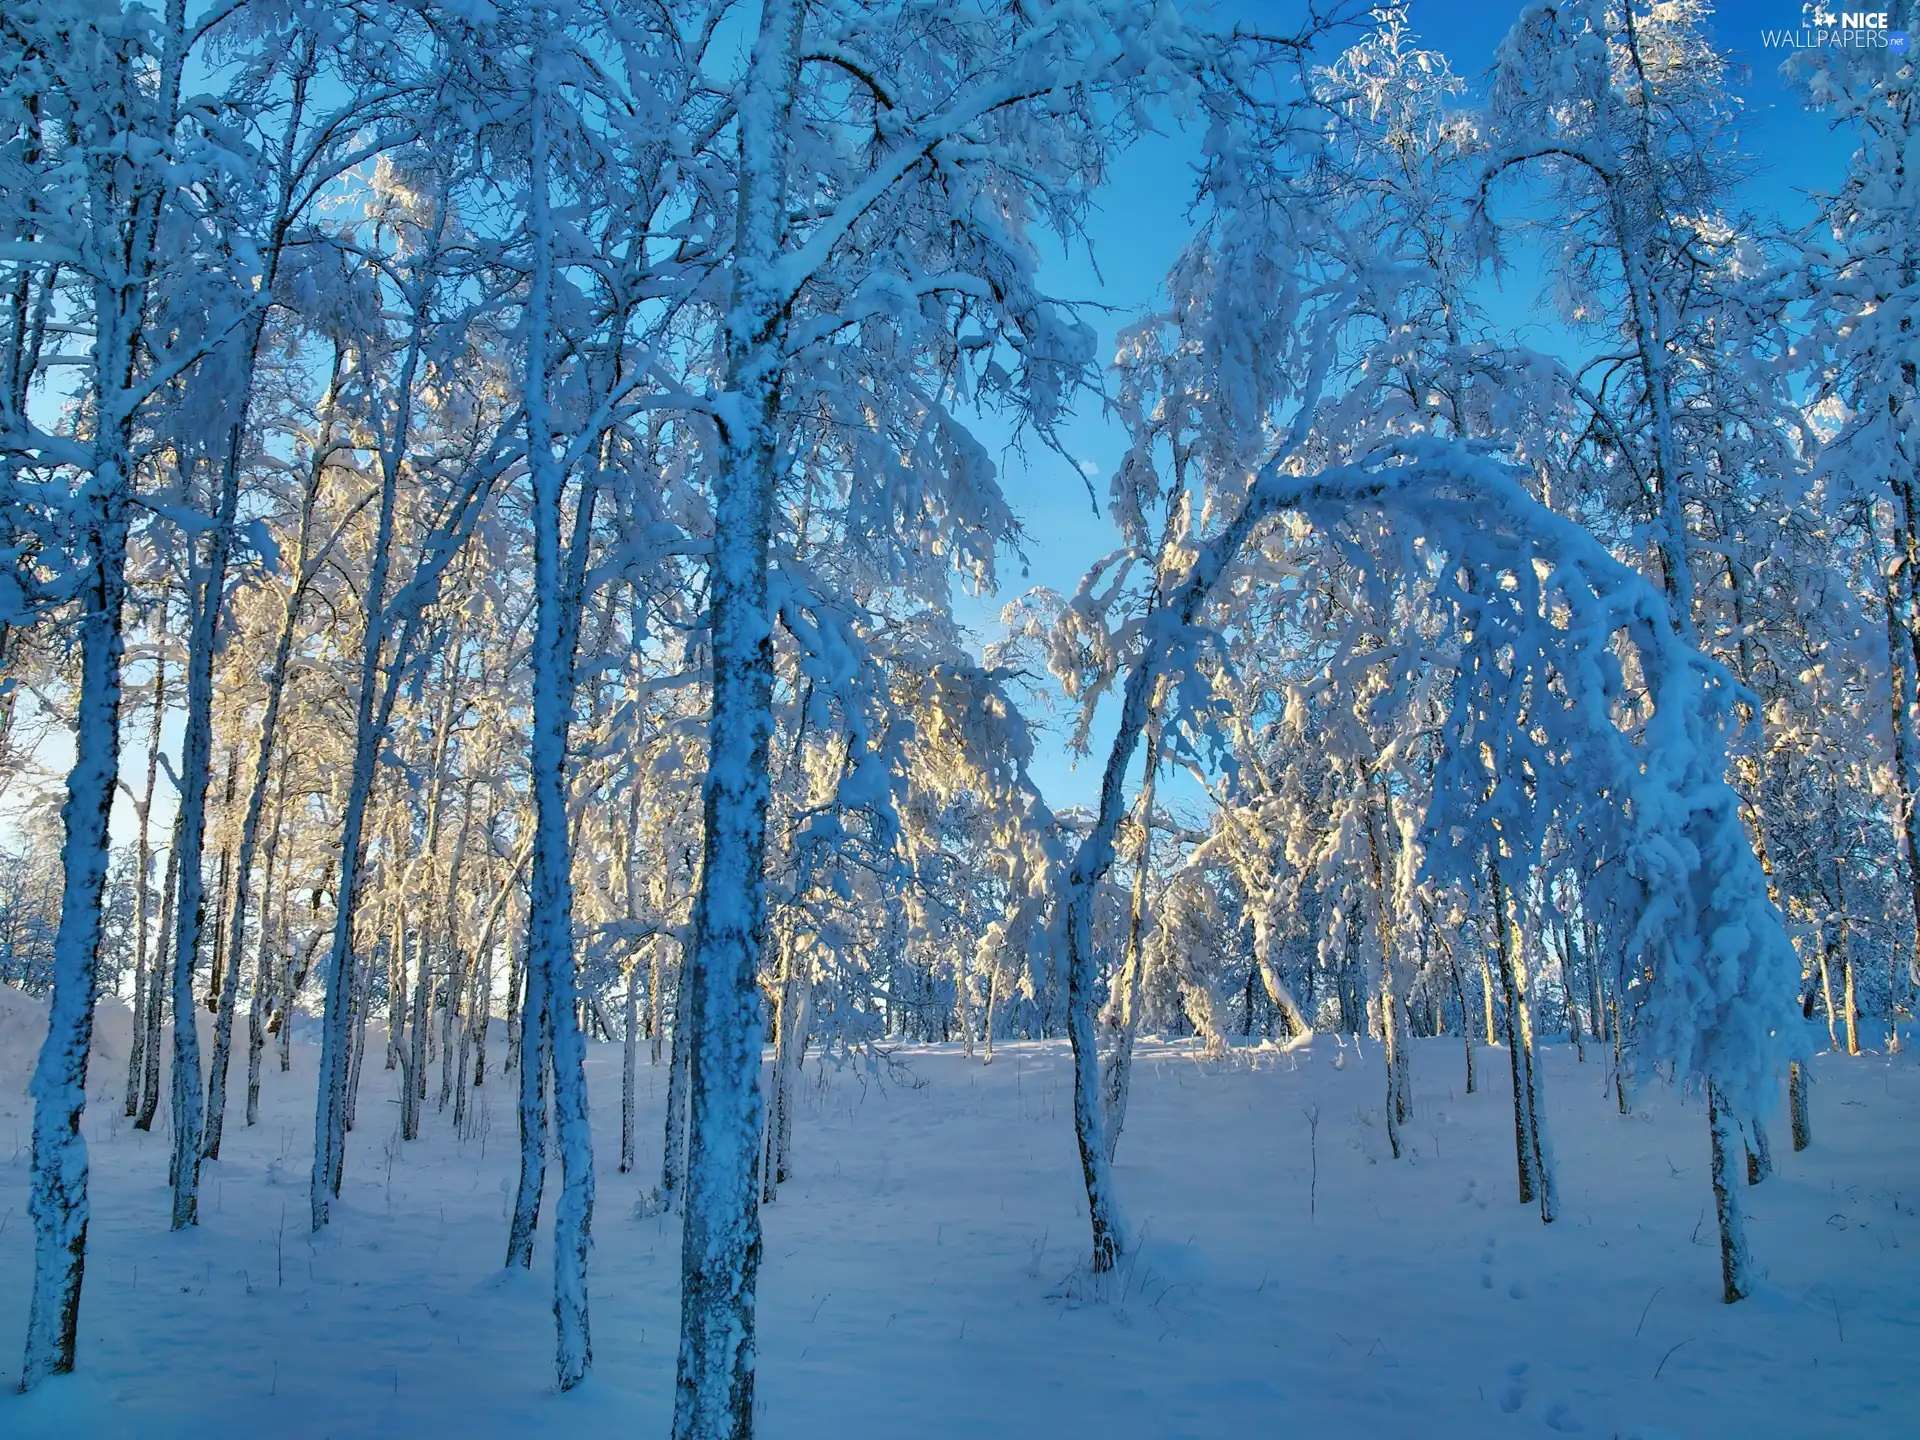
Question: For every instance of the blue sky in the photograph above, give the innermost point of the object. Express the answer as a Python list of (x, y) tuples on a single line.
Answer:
[(1140, 225)]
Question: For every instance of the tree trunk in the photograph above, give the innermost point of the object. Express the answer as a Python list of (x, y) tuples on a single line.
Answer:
[(1534, 1164), (483, 1001), (961, 1011), (463, 1065), (1797, 1106), (1826, 990), (57, 1193), (1619, 1057), (1536, 1096), (223, 892), (796, 1004), (1390, 1041), (143, 882), (673, 1147), (1486, 996), (359, 1016), (629, 1054), (1736, 1281), (993, 1001), (482, 1018), (263, 970), (226, 953), (414, 1064), (290, 977), (516, 1002), (1906, 775), (1601, 1030), (257, 1032), (1759, 1153), (450, 1018), (720, 1251), (157, 990), (398, 992), (1117, 1076), (1392, 1016), (557, 596), (449, 927), (1466, 1023), (1525, 1161), (656, 1001), (1851, 1005), (1292, 1014), (535, 1040), (1573, 1006)]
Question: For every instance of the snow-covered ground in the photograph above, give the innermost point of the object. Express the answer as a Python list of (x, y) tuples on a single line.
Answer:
[(921, 1279)]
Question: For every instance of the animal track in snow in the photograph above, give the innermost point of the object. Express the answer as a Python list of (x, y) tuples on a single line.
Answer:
[(1514, 1394)]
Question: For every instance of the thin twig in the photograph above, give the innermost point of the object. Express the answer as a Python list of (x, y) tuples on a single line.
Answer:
[(1312, 1112), (1668, 1356), (1643, 1314)]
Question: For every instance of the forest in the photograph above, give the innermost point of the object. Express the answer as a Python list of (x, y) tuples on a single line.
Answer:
[(519, 552)]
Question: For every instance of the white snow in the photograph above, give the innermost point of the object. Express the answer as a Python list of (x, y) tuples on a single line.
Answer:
[(921, 1273)]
